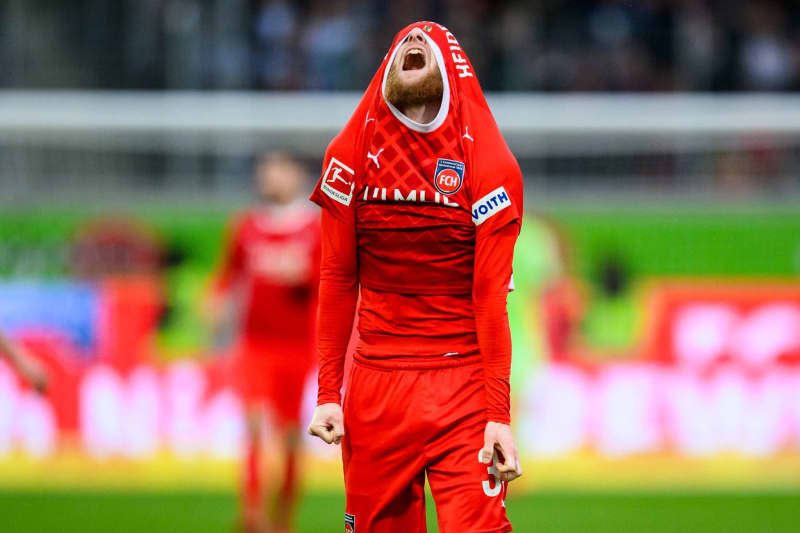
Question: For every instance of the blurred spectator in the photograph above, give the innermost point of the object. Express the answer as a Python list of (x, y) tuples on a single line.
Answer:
[(697, 46), (329, 43), (612, 45), (275, 30), (767, 58)]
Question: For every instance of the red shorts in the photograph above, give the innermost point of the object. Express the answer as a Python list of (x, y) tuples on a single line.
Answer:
[(403, 424), (273, 374)]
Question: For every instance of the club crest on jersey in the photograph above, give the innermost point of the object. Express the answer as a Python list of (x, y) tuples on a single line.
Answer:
[(338, 182), (449, 176), (349, 523)]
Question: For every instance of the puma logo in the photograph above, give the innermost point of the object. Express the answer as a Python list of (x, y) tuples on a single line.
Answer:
[(467, 135), (374, 157)]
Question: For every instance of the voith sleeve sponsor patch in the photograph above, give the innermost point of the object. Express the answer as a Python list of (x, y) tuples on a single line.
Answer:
[(338, 182), (490, 205)]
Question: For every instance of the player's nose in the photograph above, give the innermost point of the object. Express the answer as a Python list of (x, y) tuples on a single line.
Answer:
[(416, 36)]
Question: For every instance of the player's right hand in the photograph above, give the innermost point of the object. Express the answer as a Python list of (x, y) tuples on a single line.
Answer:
[(328, 423)]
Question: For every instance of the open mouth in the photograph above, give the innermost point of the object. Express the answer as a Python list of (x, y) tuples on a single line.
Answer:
[(414, 59)]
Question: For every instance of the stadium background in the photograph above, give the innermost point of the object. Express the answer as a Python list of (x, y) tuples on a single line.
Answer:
[(659, 143)]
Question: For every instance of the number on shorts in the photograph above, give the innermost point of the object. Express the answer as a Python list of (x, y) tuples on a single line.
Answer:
[(488, 489)]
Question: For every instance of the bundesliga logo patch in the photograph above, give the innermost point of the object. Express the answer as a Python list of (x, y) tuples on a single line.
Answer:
[(449, 176), (337, 182), (349, 523)]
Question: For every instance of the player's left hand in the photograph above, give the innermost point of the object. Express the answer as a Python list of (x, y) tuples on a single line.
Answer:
[(498, 437)]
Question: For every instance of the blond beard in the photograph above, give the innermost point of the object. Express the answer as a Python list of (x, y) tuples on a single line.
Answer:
[(428, 90)]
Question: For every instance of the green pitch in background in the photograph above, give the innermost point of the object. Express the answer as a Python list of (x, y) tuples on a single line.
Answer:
[(547, 512)]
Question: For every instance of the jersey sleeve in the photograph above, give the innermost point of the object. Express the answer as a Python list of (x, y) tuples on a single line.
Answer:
[(497, 193), (497, 207), (338, 297), (494, 255), (334, 192), (233, 259), (338, 281)]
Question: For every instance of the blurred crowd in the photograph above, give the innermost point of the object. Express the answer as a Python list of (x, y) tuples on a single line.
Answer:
[(551, 45)]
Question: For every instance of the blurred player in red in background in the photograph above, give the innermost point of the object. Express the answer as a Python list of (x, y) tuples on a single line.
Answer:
[(27, 367), (563, 302), (270, 275), (422, 206)]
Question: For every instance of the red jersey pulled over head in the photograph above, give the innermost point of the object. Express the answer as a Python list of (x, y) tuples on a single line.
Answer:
[(422, 203)]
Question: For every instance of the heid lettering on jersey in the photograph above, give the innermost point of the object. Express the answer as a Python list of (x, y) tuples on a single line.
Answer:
[(421, 196), (338, 182), (490, 205), (462, 66)]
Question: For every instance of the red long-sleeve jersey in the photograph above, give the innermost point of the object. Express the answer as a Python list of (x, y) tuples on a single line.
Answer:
[(270, 265), (433, 267), (422, 220)]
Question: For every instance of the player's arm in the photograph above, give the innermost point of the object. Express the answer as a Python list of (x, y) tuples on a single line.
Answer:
[(228, 272), (494, 252), (28, 367), (338, 296)]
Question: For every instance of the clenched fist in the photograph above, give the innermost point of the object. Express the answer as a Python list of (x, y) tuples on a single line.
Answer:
[(328, 423)]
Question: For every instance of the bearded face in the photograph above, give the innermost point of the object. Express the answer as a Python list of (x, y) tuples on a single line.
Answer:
[(414, 78)]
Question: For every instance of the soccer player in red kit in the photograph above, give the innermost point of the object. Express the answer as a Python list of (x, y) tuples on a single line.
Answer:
[(422, 204), (270, 271)]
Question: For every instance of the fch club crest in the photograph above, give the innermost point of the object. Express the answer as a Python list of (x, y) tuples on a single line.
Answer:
[(449, 176)]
